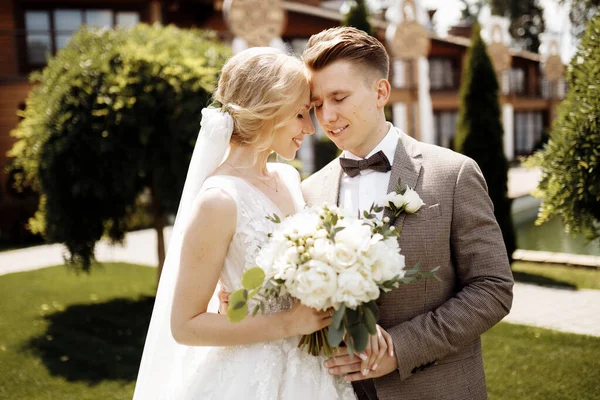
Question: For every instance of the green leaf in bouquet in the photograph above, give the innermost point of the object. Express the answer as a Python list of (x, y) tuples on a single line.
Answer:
[(334, 219), (412, 271), (370, 321), (360, 336), (275, 218), (352, 317), (372, 305), (335, 232), (256, 310), (338, 317), (335, 335), (237, 314), (253, 278), (238, 299)]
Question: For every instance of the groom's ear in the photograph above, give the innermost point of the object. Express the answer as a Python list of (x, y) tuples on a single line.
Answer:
[(383, 92)]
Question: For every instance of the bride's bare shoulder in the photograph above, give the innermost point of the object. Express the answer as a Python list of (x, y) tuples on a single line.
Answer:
[(214, 207)]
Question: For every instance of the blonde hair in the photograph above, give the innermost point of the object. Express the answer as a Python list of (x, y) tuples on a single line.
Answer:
[(346, 44), (256, 87)]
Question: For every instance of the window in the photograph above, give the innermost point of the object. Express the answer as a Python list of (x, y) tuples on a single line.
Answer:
[(517, 81), (47, 31), (443, 73), (529, 132), (444, 127)]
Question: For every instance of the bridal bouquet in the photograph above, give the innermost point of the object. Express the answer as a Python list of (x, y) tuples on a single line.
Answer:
[(328, 259)]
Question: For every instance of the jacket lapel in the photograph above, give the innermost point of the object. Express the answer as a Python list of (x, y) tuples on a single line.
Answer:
[(406, 167), (330, 191)]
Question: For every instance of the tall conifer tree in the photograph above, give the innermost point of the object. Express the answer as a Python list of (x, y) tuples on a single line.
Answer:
[(479, 132)]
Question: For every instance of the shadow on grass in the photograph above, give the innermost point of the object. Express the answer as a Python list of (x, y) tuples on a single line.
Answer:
[(526, 277), (95, 342)]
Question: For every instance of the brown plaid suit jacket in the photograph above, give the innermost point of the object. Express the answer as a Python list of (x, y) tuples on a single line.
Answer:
[(436, 326)]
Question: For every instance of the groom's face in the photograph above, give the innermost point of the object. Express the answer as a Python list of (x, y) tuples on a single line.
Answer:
[(346, 103)]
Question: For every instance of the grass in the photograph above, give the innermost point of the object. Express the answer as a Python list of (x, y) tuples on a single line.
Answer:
[(530, 363), (556, 275), (73, 336), (68, 336)]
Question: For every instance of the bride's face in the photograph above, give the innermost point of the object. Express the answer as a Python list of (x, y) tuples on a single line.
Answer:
[(289, 134)]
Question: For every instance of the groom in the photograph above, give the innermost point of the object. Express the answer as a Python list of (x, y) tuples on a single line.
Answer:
[(435, 326)]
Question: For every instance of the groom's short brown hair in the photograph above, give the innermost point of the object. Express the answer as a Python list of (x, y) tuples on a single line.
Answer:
[(348, 44)]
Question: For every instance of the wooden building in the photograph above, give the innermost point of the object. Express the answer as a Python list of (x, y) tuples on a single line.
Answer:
[(31, 29)]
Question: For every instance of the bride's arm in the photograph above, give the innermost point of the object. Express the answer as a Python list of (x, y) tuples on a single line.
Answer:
[(205, 245)]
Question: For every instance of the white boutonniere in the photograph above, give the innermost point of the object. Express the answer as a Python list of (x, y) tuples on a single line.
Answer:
[(403, 200)]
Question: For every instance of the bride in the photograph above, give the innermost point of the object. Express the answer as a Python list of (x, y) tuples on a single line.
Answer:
[(191, 351)]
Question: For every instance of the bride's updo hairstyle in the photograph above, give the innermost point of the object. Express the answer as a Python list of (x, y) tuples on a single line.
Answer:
[(260, 88)]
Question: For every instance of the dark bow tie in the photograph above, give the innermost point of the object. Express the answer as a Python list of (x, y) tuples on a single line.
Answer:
[(377, 162)]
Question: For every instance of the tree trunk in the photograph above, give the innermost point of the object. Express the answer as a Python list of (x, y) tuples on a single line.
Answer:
[(158, 213)]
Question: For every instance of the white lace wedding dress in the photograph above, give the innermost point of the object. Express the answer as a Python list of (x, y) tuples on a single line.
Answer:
[(276, 370)]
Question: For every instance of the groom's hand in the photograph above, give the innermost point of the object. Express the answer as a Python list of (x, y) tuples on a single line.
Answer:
[(223, 301), (352, 368)]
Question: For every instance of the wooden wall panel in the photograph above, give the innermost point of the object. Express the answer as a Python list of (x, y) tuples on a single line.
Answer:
[(8, 55)]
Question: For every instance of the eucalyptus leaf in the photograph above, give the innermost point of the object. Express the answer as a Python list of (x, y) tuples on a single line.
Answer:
[(335, 335), (238, 299), (338, 317), (352, 317), (370, 321), (360, 336), (253, 278), (372, 305), (237, 315)]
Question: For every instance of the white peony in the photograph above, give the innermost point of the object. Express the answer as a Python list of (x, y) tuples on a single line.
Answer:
[(355, 287), (413, 201), (356, 235), (314, 285), (321, 249), (388, 263)]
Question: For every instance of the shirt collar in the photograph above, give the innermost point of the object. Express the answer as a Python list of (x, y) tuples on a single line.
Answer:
[(388, 145)]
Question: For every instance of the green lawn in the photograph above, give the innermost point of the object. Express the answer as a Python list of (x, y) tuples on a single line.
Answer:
[(556, 275), (76, 336), (73, 336), (530, 363)]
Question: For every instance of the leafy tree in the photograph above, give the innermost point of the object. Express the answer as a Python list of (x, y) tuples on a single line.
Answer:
[(570, 184), (114, 116), (358, 17), (479, 131), (580, 13), (526, 18)]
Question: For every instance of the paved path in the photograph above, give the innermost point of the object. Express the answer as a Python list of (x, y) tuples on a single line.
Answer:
[(576, 311)]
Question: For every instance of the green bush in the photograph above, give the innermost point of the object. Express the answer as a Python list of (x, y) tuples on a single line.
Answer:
[(479, 132), (114, 114), (570, 184)]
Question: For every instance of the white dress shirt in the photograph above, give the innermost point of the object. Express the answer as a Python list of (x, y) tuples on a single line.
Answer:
[(360, 192)]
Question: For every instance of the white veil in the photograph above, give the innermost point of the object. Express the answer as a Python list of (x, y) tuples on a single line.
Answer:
[(165, 363)]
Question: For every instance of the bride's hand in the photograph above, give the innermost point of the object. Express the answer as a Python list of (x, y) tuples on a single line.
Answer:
[(378, 345), (304, 320)]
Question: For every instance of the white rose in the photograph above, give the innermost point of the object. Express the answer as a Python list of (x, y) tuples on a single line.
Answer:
[(321, 249), (355, 287), (342, 257), (413, 201), (395, 198), (314, 285)]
